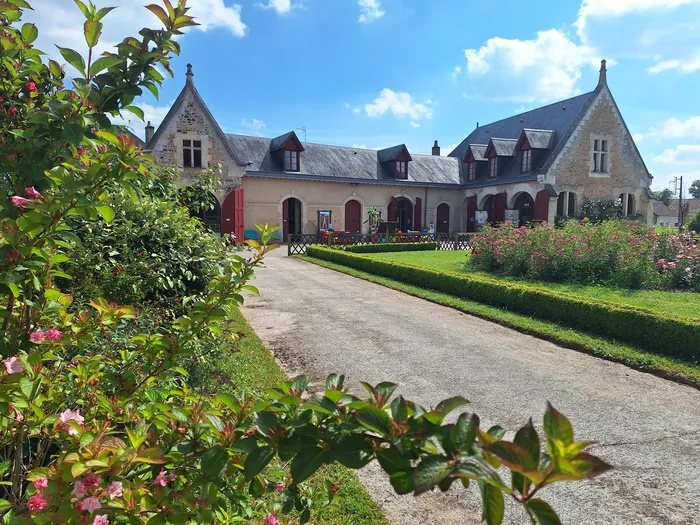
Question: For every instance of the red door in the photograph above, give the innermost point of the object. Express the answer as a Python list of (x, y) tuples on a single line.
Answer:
[(393, 210), (500, 203), (239, 215), (418, 215), (471, 215), (232, 215), (285, 220), (353, 216), (542, 206), (443, 218)]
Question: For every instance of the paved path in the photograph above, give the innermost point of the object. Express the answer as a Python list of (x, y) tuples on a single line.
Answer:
[(318, 321)]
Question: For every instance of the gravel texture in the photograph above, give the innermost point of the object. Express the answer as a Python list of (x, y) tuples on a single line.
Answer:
[(317, 321)]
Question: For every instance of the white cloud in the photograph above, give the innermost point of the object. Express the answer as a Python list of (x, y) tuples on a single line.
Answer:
[(665, 32), (280, 6), (457, 71), (370, 10), (356, 110), (255, 125), (414, 124), (682, 155), (399, 104), (540, 70), (449, 149), (673, 128)]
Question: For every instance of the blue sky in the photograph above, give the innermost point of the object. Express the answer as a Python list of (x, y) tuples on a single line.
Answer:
[(376, 73)]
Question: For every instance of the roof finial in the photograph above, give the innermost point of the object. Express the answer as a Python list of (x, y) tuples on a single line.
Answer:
[(190, 75), (603, 79)]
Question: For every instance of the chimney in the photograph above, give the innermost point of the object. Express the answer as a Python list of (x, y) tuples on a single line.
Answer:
[(436, 149), (190, 75), (603, 79), (150, 131)]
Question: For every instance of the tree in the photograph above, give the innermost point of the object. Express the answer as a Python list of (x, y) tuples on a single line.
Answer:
[(694, 223), (694, 189), (665, 196)]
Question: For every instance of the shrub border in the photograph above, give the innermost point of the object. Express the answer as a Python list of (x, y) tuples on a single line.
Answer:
[(658, 333), (392, 247)]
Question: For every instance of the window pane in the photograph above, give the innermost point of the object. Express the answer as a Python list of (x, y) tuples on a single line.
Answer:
[(596, 145), (605, 145), (187, 158), (198, 158), (197, 143), (595, 162), (187, 143), (603, 162)]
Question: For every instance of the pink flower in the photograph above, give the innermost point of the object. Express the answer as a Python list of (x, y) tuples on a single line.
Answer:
[(78, 490), (19, 202), (271, 519), (13, 111), (13, 365), (31, 87), (89, 505), (31, 193), (91, 481), (71, 415), (101, 519), (37, 337), (114, 490), (18, 415), (161, 479), (53, 335), (37, 503), (280, 487), (41, 483)]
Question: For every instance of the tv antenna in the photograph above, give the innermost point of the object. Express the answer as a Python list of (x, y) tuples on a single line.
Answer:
[(304, 130)]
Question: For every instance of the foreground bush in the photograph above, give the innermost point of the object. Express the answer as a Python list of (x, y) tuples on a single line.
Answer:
[(100, 428), (612, 253), (392, 247)]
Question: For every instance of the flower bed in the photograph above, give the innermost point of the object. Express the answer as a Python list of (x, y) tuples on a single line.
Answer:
[(612, 253)]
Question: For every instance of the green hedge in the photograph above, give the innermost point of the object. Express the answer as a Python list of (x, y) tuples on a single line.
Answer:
[(392, 247), (656, 332)]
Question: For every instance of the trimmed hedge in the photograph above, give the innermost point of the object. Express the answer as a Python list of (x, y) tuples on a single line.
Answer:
[(656, 332), (392, 247)]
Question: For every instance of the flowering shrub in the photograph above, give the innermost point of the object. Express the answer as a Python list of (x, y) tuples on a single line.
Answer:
[(612, 252), (98, 428)]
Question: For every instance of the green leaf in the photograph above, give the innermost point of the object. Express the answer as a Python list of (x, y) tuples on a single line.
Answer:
[(73, 133), (152, 456), (431, 471), (92, 30), (4, 505), (83, 8), (374, 419), (513, 456), (257, 460), (136, 111), (29, 33), (160, 13), (103, 63), (73, 58), (451, 404), (556, 426), (541, 513), (494, 505), (107, 213), (402, 482), (391, 460), (213, 461), (353, 452), (305, 464)]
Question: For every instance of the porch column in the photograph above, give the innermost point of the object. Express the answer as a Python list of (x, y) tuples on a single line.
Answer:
[(625, 203)]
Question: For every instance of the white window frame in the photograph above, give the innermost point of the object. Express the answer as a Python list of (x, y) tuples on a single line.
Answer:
[(601, 153)]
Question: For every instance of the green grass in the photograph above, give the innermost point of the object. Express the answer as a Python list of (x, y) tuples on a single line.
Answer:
[(680, 304), (253, 369), (669, 368)]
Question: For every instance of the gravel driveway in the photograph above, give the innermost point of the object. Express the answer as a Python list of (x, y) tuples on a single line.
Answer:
[(318, 321)]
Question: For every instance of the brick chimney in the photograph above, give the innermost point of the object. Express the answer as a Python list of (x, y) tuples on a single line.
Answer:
[(436, 149), (150, 131)]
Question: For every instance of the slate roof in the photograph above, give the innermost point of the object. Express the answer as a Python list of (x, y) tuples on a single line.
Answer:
[(391, 154), (278, 143), (539, 138), (479, 152), (692, 205), (342, 164), (503, 147), (661, 210)]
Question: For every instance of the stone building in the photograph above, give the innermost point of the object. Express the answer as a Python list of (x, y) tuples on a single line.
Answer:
[(530, 167)]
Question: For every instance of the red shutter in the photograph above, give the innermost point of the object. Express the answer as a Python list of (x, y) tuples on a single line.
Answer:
[(542, 206), (471, 215), (239, 215), (393, 210), (500, 211), (417, 215), (228, 214)]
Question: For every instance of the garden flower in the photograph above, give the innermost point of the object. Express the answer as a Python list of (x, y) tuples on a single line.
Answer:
[(78, 490), (161, 479), (18, 415), (71, 415), (101, 519), (19, 202), (280, 487), (271, 519), (31, 193), (13, 111), (41, 484), (31, 87), (334, 489), (13, 365), (114, 490), (37, 503), (89, 505), (37, 337), (53, 335), (91, 481)]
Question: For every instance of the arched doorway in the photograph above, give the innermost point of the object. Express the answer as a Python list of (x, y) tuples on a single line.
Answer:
[(471, 214), (233, 215), (401, 211), (211, 215), (291, 218), (526, 206), (353, 216), (443, 218), (487, 206)]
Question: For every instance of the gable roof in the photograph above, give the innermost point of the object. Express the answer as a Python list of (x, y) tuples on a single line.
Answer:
[(692, 206), (391, 154), (343, 164), (190, 89), (280, 142), (502, 147), (478, 151), (537, 138)]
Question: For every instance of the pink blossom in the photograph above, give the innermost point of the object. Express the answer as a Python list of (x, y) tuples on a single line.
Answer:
[(271, 519), (161, 479), (13, 365), (37, 337), (18, 415), (31, 193), (78, 490), (91, 481), (101, 519), (53, 335), (37, 503), (41, 484), (280, 487), (19, 202), (687, 270), (31, 87), (71, 415), (114, 490), (89, 505)]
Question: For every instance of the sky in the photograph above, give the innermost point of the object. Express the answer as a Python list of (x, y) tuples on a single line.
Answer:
[(376, 73)]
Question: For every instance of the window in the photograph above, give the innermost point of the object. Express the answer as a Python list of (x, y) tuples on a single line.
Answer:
[(526, 161), (192, 153), (291, 160), (471, 170), (493, 167), (600, 156), (401, 169)]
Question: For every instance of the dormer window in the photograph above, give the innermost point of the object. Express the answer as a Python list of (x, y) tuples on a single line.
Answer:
[(471, 170), (526, 161), (291, 160), (493, 167), (192, 153), (401, 169)]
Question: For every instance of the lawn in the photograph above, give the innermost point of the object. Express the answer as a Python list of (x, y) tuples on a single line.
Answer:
[(674, 303)]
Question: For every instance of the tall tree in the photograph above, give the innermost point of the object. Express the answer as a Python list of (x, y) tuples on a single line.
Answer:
[(665, 196), (694, 189)]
